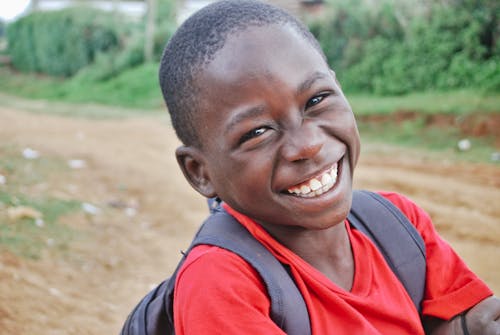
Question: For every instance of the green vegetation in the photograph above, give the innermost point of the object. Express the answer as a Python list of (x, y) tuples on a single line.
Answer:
[(133, 88), (458, 102), (393, 48), (86, 56), (404, 121), (433, 139), (138, 88), (23, 172), (2, 28), (392, 57), (60, 43), (28, 235)]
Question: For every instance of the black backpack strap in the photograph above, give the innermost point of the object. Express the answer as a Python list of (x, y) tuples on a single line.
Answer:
[(397, 239), (288, 309), (149, 317)]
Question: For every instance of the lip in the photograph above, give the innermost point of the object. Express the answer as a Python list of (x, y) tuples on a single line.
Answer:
[(309, 207)]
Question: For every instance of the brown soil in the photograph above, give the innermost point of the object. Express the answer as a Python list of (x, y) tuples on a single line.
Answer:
[(91, 287)]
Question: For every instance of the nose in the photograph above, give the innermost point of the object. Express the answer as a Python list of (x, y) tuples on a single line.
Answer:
[(302, 144)]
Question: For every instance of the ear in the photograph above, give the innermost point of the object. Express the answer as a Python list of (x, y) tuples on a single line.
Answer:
[(194, 166)]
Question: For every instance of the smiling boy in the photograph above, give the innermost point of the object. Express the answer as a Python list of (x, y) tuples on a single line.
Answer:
[(266, 128)]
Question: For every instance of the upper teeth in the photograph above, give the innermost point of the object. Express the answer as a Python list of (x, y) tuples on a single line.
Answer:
[(317, 185)]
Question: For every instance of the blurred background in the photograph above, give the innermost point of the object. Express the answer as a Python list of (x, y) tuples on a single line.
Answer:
[(427, 61), (93, 209)]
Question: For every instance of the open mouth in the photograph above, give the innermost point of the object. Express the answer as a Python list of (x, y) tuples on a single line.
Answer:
[(318, 185)]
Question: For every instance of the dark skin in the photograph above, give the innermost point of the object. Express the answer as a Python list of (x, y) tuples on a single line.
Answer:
[(273, 129), (273, 118)]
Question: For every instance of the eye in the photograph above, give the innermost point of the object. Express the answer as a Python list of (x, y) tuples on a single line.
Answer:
[(253, 134), (316, 100)]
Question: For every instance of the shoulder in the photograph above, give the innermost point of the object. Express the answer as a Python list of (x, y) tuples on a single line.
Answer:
[(415, 214), (213, 274), (404, 203), (213, 264), (216, 291), (420, 219), (451, 287)]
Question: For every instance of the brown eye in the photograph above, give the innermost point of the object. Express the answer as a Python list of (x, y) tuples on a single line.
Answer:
[(315, 100), (252, 134)]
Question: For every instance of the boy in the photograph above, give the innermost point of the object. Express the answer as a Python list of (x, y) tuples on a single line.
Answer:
[(266, 128)]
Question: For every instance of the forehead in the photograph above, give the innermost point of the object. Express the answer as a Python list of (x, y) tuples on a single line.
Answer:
[(257, 57), (267, 48)]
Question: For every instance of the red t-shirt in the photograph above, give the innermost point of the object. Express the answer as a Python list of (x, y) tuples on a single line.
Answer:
[(217, 292)]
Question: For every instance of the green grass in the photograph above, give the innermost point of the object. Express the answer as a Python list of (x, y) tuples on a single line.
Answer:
[(414, 134), (136, 88), (24, 172), (23, 236), (455, 102)]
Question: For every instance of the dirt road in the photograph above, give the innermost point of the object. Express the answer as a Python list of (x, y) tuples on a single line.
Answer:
[(118, 255)]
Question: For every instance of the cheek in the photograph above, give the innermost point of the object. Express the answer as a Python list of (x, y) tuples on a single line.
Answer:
[(343, 127), (243, 177), (245, 187), (351, 138), (356, 146)]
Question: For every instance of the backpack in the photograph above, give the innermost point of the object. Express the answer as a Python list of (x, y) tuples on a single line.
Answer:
[(399, 242)]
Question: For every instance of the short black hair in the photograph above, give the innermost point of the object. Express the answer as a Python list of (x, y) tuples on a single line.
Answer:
[(194, 45)]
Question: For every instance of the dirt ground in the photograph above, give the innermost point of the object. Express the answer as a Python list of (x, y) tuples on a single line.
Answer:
[(90, 287)]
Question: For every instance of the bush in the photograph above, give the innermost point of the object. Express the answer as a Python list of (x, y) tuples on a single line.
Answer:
[(110, 64), (2, 28), (135, 87), (385, 51), (61, 42)]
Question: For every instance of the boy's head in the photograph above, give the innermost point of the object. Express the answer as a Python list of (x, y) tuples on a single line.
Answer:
[(195, 44), (264, 123)]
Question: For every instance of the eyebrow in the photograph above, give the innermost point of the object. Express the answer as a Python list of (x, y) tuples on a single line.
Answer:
[(306, 84), (245, 114)]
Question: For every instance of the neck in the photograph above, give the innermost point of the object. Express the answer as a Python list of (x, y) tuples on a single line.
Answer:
[(328, 250)]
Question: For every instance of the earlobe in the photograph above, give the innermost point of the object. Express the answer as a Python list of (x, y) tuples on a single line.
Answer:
[(193, 165)]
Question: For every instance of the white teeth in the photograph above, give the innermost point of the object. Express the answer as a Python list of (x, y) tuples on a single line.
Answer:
[(316, 187), (334, 172), (315, 184), (326, 179)]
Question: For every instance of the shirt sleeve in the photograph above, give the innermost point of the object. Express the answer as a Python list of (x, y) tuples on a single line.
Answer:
[(217, 292), (451, 287)]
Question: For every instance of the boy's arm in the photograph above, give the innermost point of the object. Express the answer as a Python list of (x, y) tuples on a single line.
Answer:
[(482, 319), (452, 287)]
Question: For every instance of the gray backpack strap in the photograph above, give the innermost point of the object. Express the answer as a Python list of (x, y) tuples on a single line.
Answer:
[(288, 309), (154, 314), (397, 239)]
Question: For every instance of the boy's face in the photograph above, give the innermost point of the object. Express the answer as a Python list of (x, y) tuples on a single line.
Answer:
[(275, 126)]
